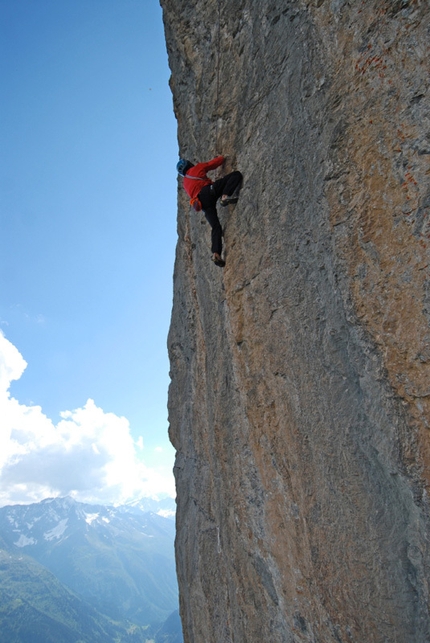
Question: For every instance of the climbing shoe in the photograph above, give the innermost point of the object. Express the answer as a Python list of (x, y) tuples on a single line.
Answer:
[(228, 200), (217, 260)]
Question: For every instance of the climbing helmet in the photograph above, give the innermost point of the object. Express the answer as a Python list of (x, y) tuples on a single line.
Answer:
[(183, 166)]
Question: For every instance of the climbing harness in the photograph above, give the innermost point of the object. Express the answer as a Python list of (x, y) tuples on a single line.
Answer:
[(196, 204)]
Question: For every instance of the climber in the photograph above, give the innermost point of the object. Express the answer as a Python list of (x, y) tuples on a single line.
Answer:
[(205, 193)]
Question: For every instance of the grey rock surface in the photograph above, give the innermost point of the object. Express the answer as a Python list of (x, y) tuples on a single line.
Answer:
[(300, 396)]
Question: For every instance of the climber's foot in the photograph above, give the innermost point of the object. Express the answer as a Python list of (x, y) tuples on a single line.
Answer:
[(228, 200), (217, 260)]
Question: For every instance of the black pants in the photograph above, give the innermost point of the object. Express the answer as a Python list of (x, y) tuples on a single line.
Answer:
[(209, 195)]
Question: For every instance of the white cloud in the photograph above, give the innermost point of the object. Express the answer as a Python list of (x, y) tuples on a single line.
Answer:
[(89, 454)]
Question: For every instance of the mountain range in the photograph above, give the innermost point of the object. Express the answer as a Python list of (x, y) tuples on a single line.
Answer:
[(110, 567)]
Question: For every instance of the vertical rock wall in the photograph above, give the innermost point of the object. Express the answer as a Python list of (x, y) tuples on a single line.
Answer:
[(300, 395)]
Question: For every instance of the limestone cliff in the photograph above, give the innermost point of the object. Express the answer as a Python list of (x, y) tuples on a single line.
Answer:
[(300, 395)]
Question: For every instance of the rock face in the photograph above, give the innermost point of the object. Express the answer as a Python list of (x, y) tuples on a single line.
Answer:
[(300, 395)]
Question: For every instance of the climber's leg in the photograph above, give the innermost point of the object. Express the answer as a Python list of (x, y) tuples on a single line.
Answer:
[(228, 185), (212, 218), (208, 199)]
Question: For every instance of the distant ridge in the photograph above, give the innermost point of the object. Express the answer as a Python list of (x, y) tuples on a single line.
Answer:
[(37, 608), (118, 561)]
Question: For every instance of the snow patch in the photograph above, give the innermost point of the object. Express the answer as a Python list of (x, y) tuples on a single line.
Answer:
[(89, 518), (105, 519), (23, 541), (166, 513), (57, 531)]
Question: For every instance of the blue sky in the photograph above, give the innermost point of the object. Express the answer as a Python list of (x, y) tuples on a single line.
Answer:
[(87, 213)]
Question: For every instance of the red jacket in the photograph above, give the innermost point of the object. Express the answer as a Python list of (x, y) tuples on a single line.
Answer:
[(193, 186)]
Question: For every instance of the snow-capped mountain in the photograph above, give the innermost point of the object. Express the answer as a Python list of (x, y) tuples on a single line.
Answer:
[(119, 559), (56, 519), (165, 507)]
